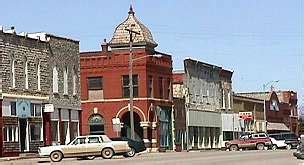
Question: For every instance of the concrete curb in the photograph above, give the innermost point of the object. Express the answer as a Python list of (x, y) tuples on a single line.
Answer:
[(3, 159)]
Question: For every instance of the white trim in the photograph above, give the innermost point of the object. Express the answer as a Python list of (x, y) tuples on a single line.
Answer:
[(126, 99), (126, 107), (24, 96)]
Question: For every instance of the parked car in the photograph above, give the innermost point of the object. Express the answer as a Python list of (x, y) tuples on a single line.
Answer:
[(252, 141), (299, 153), (290, 139), (86, 147), (135, 145)]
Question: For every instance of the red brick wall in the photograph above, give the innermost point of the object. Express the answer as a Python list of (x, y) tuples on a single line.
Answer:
[(112, 66)]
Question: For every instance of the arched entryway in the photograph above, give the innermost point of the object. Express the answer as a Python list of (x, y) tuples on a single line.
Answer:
[(126, 130), (96, 125)]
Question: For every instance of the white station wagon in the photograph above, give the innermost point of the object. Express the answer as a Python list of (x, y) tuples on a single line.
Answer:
[(86, 147)]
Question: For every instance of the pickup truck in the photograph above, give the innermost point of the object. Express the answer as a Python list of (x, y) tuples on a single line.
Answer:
[(253, 141)]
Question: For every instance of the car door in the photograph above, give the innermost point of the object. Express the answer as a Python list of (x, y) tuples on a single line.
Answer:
[(94, 145), (76, 148)]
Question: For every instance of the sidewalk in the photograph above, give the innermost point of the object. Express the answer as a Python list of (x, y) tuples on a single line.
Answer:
[(21, 156)]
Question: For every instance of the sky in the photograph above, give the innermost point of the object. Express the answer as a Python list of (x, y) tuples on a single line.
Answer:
[(261, 41)]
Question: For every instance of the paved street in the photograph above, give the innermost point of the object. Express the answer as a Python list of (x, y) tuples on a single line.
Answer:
[(281, 157)]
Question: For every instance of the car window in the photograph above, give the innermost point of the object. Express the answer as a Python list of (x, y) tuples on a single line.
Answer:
[(255, 136), (94, 140), (79, 141), (262, 135)]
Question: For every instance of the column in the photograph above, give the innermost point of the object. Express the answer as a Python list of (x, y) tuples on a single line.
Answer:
[(47, 128), (145, 126), (154, 147)]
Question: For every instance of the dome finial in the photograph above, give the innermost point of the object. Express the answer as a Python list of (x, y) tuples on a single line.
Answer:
[(131, 10)]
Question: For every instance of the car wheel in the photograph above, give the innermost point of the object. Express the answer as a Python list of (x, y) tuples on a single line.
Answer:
[(131, 153), (260, 146), (107, 153), (274, 147), (233, 148), (288, 147), (56, 156)]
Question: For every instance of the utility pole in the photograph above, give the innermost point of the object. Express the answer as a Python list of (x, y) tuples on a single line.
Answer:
[(131, 80)]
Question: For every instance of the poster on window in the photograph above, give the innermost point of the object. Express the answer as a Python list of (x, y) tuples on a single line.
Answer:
[(23, 108)]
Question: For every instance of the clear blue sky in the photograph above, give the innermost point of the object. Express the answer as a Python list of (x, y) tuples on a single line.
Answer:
[(260, 40)]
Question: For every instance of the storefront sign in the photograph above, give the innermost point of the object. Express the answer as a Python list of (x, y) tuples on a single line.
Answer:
[(49, 108), (23, 108), (116, 124), (246, 115)]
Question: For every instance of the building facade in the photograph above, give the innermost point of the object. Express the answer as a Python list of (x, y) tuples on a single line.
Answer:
[(207, 114), (281, 110), (105, 88), (29, 83)]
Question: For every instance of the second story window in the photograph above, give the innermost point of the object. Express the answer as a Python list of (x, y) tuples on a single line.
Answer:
[(38, 75), (95, 88), (26, 73), (55, 80), (161, 87), (13, 74), (169, 95), (65, 81), (150, 87), (125, 86), (74, 81)]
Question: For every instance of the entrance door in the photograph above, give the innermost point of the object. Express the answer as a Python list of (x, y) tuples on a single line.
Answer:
[(22, 127)]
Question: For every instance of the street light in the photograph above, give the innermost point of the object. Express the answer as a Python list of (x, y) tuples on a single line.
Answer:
[(264, 90), (131, 76)]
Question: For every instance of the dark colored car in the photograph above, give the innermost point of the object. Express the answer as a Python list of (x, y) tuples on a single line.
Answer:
[(290, 139), (136, 146), (300, 150)]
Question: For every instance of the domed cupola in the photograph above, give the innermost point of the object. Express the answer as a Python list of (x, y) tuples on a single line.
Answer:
[(121, 36)]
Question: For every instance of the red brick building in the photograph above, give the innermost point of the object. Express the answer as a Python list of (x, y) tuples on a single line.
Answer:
[(105, 87)]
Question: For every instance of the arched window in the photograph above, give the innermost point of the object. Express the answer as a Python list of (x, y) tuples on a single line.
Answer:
[(26, 73), (96, 124), (55, 80), (65, 81), (38, 75), (74, 81), (13, 74)]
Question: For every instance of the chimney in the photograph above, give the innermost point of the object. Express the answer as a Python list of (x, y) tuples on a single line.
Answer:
[(1, 28), (104, 46)]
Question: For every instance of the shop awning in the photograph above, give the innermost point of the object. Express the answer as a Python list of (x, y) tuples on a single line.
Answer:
[(277, 127)]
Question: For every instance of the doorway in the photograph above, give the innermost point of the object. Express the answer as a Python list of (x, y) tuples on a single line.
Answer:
[(23, 132)]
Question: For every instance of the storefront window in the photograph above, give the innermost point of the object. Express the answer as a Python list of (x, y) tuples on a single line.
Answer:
[(74, 130), (66, 132), (36, 133), (227, 135), (96, 124), (10, 134), (54, 125)]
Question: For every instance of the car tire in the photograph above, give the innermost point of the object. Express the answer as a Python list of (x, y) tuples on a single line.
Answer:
[(288, 147), (56, 156), (274, 147), (233, 147), (260, 146), (130, 153), (107, 153)]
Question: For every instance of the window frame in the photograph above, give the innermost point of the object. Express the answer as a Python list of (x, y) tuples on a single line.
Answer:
[(126, 86)]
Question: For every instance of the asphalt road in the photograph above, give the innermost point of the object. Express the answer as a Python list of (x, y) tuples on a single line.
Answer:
[(279, 157)]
